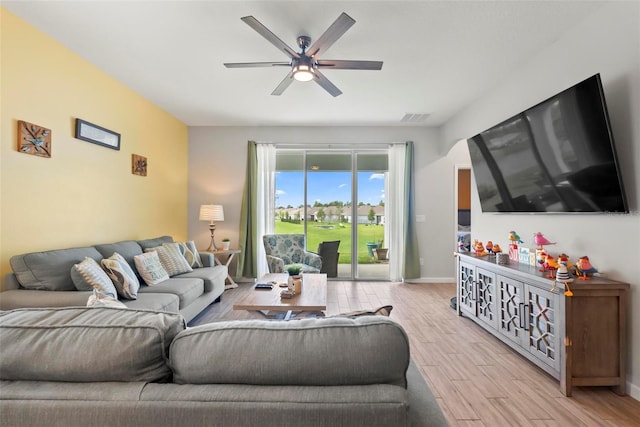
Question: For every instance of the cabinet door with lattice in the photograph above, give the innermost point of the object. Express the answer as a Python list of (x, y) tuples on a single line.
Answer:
[(542, 324), (511, 322), (466, 288), (486, 295)]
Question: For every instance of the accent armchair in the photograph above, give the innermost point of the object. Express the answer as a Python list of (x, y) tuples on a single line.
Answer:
[(286, 249)]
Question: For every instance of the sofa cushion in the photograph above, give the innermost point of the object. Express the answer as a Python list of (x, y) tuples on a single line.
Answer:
[(171, 259), (127, 248), (213, 277), (88, 275), (150, 268), (122, 276), (86, 344), (50, 270), (186, 289), (320, 352), (152, 243), (155, 301)]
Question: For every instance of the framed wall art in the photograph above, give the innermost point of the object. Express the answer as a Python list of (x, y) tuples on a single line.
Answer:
[(97, 134), (34, 139), (138, 165)]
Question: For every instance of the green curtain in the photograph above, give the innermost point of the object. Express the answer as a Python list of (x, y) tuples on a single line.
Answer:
[(247, 262), (411, 254)]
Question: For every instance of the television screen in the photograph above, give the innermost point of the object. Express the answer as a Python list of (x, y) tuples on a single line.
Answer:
[(557, 156)]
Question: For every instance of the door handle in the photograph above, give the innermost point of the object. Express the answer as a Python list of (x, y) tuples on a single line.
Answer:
[(520, 311)]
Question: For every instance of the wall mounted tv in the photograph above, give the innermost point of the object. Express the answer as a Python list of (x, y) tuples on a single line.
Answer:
[(557, 156)]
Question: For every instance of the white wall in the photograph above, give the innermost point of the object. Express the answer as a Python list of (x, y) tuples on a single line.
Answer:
[(607, 43), (217, 163)]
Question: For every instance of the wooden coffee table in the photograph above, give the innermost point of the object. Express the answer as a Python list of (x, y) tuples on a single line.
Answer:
[(313, 297)]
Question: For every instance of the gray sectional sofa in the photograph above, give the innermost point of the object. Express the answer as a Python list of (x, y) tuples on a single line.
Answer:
[(43, 279), (104, 366)]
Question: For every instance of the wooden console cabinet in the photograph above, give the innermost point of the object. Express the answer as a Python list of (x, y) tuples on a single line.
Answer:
[(579, 340)]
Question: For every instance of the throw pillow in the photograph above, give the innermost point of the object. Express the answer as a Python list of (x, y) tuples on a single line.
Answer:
[(190, 253), (122, 276), (88, 275), (98, 299), (150, 269), (171, 259)]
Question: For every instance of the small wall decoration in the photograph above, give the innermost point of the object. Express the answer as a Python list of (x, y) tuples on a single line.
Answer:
[(97, 134), (138, 165), (34, 139)]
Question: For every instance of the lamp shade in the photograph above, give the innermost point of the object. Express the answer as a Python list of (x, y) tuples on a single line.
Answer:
[(211, 213)]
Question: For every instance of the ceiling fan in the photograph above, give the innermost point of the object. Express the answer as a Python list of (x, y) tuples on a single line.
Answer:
[(305, 65)]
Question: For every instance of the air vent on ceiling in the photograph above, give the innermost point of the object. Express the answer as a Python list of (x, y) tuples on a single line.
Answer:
[(414, 117)]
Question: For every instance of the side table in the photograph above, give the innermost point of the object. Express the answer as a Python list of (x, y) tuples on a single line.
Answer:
[(229, 254)]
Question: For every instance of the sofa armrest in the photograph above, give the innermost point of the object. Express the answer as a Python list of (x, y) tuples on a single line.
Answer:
[(276, 265), (207, 259), (11, 282)]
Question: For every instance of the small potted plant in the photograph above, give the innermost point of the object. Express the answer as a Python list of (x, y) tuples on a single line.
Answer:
[(225, 243), (295, 281)]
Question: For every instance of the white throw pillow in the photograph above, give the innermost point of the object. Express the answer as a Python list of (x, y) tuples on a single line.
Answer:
[(150, 269), (122, 276), (99, 299), (88, 275)]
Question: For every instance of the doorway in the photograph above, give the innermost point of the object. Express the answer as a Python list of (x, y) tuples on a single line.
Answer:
[(463, 208)]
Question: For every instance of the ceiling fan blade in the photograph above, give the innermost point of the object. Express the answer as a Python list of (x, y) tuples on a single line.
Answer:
[(283, 84), (337, 64), (329, 37), (326, 84), (267, 34), (256, 64)]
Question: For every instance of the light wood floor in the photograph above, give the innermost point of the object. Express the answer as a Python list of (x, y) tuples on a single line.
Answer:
[(477, 380)]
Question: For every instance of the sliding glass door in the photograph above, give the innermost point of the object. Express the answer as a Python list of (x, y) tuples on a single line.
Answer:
[(335, 196)]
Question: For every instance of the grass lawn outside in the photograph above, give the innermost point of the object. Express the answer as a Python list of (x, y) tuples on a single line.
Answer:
[(321, 231)]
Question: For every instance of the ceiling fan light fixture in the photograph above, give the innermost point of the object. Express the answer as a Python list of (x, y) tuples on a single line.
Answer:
[(303, 73)]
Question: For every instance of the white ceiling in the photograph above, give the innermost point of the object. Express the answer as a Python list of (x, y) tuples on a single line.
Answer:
[(438, 55)]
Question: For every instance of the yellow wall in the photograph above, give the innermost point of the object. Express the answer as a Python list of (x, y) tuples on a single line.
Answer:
[(85, 193)]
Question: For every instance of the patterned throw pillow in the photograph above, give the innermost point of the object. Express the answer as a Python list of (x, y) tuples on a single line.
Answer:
[(99, 299), (150, 269), (171, 259), (88, 275), (190, 253), (122, 276)]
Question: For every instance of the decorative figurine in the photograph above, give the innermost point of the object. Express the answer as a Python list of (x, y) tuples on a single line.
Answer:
[(563, 275), (541, 258), (564, 260), (541, 241), (489, 246), (514, 238), (478, 248), (584, 269), (496, 249), (551, 266)]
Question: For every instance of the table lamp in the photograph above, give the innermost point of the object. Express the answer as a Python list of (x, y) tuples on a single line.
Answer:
[(212, 213)]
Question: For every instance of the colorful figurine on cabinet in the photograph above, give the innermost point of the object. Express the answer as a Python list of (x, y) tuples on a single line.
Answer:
[(478, 248), (489, 246), (541, 241), (584, 269), (551, 266), (564, 259), (514, 238), (541, 258), (496, 249), (563, 274)]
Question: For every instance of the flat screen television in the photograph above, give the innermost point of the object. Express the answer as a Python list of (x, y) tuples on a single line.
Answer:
[(557, 156)]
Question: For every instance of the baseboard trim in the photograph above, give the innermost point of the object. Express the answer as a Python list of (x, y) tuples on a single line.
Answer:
[(432, 280), (634, 391)]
